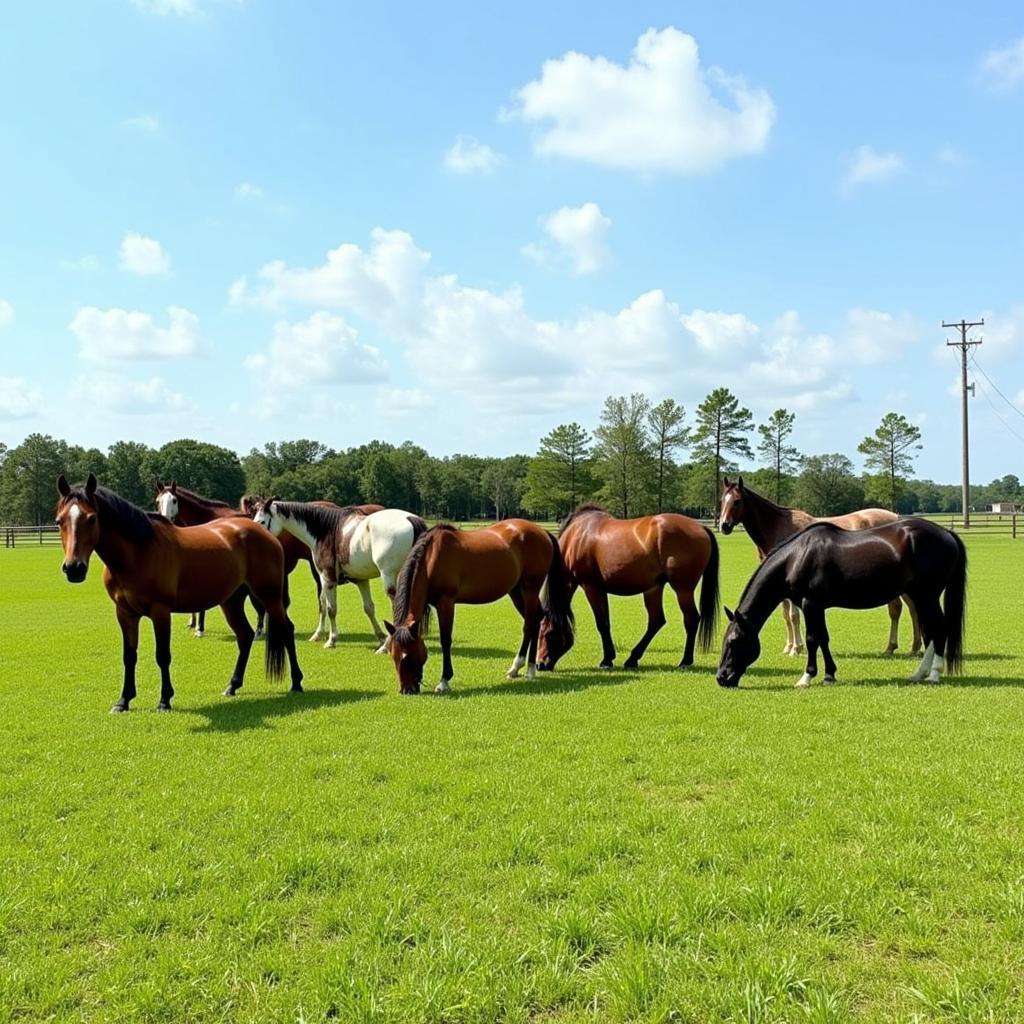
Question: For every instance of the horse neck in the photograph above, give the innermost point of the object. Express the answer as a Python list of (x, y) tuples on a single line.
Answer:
[(297, 528), (191, 513), (120, 555), (765, 522), (766, 591), (419, 592)]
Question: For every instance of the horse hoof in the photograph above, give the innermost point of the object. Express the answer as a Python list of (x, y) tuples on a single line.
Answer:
[(199, 634), (296, 688), (383, 649), (120, 709), (606, 666), (803, 682), (316, 638), (230, 692), (684, 664), (329, 645), (163, 707), (630, 665), (443, 687), (828, 681), (889, 651)]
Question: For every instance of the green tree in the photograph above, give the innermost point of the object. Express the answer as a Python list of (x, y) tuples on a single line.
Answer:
[(888, 451), (668, 435), (504, 481), (30, 472), (775, 451), (124, 473), (560, 475), (721, 429), (205, 468), (827, 485), (381, 482), (624, 460)]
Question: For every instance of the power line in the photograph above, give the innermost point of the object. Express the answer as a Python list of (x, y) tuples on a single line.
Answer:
[(977, 366), (999, 415), (963, 344)]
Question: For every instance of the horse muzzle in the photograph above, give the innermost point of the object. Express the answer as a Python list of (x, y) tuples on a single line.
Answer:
[(75, 571), (545, 666), (726, 680), (725, 528)]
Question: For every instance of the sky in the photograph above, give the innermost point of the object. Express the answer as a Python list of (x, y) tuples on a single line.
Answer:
[(247, 221)]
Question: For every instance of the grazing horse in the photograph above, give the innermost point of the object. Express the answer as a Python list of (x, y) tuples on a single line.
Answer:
[(154, 568), (346, 544), (825, 566), (605, 555), (769, 524), (447, 567)]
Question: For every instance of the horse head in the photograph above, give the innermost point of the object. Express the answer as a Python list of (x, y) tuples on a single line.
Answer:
[(409, 653), (249, 504), (167, 500), (732, 511), (265, 513), (78, 519), (741, 647), (552, 643)]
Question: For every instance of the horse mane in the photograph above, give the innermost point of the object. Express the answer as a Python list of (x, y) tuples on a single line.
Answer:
[(320, 520), (413, 561), (580, 510), (201, 499), (117, 513), (774, 505)]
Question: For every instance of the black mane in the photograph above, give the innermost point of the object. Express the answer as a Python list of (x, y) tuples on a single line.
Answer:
[(579, 510), (320, 520), (403, 589), (758, 496), (117, 513), (200, 499)]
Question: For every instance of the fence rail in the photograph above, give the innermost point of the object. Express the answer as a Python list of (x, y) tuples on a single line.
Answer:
[(26, 535)]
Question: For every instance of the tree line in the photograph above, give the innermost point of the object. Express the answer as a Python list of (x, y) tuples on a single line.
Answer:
[(641, 457)]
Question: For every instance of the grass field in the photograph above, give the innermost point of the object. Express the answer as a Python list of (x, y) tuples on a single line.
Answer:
[(586, 846)]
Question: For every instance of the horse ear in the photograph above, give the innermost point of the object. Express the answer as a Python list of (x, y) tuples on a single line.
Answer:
[(414, 628), (739, 483), (90, 485), (728, 614), (174, 487), (725, 482), (389, 628), (159, 485), (63, 486)]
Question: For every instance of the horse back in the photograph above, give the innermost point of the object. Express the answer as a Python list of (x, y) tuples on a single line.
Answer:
[(479, 566)]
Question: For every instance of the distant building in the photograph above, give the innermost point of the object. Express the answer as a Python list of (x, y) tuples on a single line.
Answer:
[(1006, 507)]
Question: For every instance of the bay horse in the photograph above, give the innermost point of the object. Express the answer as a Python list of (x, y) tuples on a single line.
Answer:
[(447, 567), (605, 555), (826, 566), (153, 568), (769, 524), (347, 544)]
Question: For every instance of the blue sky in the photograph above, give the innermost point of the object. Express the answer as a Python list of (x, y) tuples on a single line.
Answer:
[(526, 209)]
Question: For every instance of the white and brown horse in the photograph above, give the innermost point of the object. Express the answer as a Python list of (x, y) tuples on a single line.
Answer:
[(768, 525), (347, 546)]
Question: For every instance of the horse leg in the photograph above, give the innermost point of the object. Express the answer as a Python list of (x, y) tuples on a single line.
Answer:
[(371, 613), (530, 611), (234, 613), (895, 609), (655, 620), (390, 581), (321, 600), (330, 599), (516, 594), (261, 611), (934, 637), (598, 600), (691, 620), (445, 622), (129, 623), (162, 632), (912, 608), (796, 644), (817, 636)]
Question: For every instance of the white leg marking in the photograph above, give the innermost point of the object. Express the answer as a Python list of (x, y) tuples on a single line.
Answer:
[(803, 682), (531, 670), (331, 597), (517, 664), (937, 666), (443, 687), (924, 668)]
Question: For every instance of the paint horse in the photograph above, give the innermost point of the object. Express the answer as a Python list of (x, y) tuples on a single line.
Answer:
[(347, 545), (153, 568), (769, 524), (825, 566), (447, 567), (605, 555)]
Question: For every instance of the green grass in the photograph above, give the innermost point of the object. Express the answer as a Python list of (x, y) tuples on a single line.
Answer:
[(588, 846)]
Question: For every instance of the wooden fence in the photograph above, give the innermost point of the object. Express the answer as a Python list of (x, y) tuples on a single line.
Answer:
[(26, 535)]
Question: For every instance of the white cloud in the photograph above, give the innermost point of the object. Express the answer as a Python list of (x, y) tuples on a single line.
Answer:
[(106, 335), (85, 264), (143, 256), (662, 112), (6, 314), (404, 401), (164, 7), (468, 155), (144, 123), (321, 350), (18, 399), (131, 397), (870, 166), (721, 335), (1001, 336), (247, 190), (579, 232), (1003, 68)]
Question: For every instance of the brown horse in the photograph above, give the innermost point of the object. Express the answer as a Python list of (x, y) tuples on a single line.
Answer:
[(447, 567), (605, 555), (769, 524), (153, 568)]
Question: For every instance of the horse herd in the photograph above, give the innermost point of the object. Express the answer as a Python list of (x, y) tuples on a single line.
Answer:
[(195, 553)]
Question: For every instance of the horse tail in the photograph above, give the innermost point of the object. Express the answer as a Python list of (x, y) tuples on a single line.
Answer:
[(708, 608), (554, 599), (278, 628), (419, 527), (955, 609)]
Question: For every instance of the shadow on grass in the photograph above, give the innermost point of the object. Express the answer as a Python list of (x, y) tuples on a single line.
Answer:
[(901, 656), (900, 682), (549, 683), (236, 714)]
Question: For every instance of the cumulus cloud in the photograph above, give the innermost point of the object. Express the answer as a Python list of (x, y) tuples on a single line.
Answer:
[(108, 335), (1003, 68), (18, 399), (869, 166), (322, 350), (1001, 336), (130, 397), (578, 234), (468, 155), (143, 256), (664, 111), (6, 314), (404, 401)]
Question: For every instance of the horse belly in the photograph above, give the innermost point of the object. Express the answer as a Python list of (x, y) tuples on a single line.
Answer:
[(870, 592), (483, 588), (625, 577), (208, 581)]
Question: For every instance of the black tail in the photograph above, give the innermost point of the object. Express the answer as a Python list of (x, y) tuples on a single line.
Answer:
[(278, 630), (419, 527), (955, 609), (708, 607), (554, 599)]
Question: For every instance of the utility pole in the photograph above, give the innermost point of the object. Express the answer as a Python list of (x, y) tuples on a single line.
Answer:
[(963, 344)]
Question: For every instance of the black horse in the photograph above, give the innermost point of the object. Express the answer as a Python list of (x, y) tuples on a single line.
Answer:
[(828, 567)]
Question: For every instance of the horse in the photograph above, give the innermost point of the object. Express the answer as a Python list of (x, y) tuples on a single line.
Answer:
[(347, 545), (447, 567), (605, 555), (825, 566), (153, 568), (769, 524)]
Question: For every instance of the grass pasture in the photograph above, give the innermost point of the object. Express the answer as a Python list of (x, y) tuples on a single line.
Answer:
[(584, 847)]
